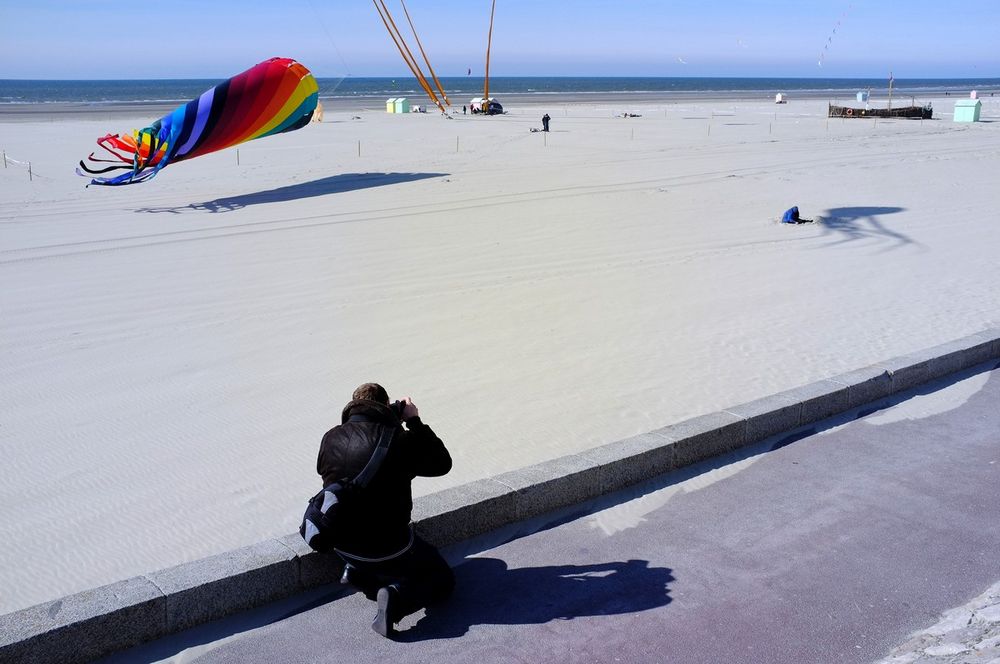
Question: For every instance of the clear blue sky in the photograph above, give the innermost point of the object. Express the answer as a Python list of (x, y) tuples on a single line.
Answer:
[(218, 38)]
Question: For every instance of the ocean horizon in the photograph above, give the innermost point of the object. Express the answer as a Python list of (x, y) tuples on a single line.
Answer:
[(15, 91)]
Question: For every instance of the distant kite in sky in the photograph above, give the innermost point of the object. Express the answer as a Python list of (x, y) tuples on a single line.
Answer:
[(681, 60), (829, 39), (276, 96)]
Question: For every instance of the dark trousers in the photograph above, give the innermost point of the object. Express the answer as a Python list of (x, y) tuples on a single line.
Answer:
[(421, 576)]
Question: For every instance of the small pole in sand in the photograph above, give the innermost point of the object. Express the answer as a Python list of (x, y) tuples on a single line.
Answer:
[(237, 156), (5, 156), (769, 124), (359, 148), (29, 172), (633, 134)]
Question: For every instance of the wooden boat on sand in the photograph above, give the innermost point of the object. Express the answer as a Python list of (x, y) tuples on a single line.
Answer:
[(915, 112)]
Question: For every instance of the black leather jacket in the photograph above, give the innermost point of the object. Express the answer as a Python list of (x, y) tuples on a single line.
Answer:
[(380, 526)]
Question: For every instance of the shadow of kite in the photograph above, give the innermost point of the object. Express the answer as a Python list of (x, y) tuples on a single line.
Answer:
[(335, 184), (861, 223)]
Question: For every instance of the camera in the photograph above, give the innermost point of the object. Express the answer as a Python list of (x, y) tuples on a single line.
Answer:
[(397, 408)]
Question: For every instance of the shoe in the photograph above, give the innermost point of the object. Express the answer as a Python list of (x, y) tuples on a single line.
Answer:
[(383, 623)]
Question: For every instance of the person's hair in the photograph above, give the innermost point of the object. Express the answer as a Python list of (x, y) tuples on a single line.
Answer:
[(371, 392)]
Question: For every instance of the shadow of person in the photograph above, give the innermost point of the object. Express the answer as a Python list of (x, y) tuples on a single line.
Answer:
[(487, 592), (859, 223)]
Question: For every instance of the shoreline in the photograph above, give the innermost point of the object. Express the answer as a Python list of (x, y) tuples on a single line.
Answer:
[(50, 111)]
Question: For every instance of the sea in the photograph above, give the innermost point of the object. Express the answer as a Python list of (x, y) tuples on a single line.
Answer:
[(162, 91)]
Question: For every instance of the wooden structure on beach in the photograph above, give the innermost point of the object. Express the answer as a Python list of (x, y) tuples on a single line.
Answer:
[(912, 111), (915, 112)]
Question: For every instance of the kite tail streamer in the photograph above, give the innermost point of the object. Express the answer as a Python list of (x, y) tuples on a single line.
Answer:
[(273, 97)]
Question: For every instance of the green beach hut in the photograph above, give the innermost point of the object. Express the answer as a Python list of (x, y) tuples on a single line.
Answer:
[(967, 110)]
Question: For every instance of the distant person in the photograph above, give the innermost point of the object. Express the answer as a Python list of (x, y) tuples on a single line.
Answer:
[(545, 122), (384, 558), (463, 110)]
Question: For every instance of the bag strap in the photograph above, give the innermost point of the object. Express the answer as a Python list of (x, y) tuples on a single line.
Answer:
[(378, 456)]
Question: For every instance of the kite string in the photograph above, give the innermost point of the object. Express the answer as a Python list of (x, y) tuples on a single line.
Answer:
[(340, 56)]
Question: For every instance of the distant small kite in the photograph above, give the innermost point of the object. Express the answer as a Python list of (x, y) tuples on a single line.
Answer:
[(276, 96), (681, 60), (829, 39)]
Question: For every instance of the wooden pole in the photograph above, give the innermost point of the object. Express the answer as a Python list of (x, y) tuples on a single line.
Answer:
[(426, 60), (456, 144), (29, 172), (5, 159), (237, 156), (359, 148), (489, 41)]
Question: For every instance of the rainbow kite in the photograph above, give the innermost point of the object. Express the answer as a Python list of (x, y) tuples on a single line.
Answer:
[(276, 96)]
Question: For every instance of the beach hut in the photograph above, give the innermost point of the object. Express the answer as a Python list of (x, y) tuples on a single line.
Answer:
[(390, 105), (863, 96), (780, 99), (967, 110), (402, 105)]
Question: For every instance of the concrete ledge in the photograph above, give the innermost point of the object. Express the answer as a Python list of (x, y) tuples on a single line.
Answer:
[(97, 622), (211, 588), (865, 385), (820, 400), (632, 460), (464, 511), (86, 625), (769, 416), (706, 436)]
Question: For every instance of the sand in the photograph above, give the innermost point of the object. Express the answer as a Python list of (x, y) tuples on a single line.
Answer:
[(172, 352)]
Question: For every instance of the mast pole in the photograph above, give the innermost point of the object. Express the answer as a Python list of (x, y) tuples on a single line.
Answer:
[(489, 40)]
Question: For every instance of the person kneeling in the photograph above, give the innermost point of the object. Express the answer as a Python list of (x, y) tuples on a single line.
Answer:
[(385, 559)]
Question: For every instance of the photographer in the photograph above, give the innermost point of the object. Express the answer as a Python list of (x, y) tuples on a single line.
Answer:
[(385, 559)]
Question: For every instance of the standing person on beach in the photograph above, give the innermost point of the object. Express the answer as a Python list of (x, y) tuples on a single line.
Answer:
[(384, 558), (545, 122)]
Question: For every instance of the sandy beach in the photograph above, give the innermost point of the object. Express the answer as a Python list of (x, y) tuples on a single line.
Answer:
[(172, 352)]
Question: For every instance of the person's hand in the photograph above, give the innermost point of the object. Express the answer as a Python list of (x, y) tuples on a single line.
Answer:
[(409, 408)]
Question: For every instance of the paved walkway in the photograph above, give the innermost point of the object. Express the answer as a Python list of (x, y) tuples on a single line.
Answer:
[(850, 544)]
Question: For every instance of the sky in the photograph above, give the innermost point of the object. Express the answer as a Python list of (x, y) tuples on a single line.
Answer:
[(70, 39)]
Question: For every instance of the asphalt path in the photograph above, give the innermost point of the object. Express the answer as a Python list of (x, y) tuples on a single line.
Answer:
[(828, 545)]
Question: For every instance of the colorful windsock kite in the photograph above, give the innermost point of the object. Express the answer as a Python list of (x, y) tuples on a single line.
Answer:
[(276, 96)]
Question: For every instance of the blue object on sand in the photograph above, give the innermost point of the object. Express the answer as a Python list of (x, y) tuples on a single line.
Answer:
[(791, 215)]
